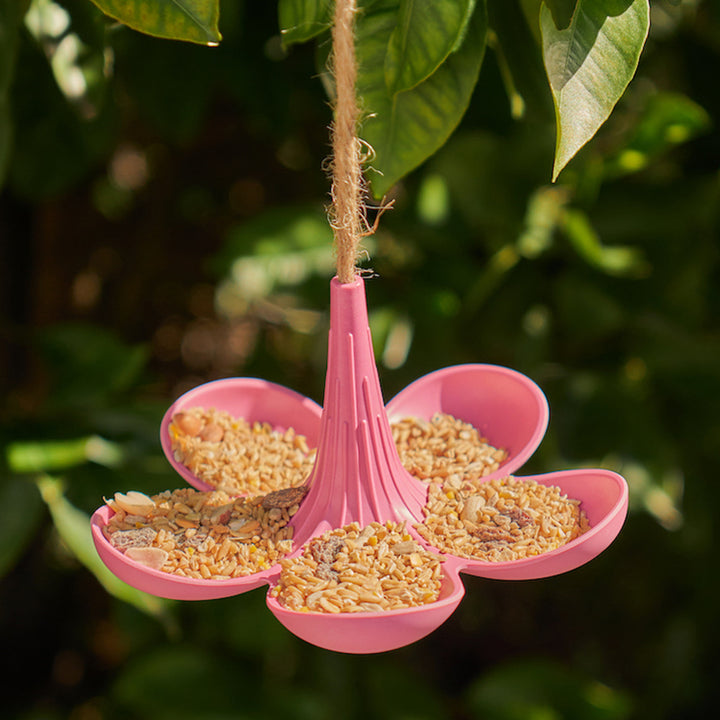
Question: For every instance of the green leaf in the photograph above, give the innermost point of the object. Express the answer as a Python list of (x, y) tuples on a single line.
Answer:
[(589, 64), (427, 31), (20, 512), (73, 527), (302, 20), (191, 20), (50, 455), (615, 260), (405, 128), (562, 11)]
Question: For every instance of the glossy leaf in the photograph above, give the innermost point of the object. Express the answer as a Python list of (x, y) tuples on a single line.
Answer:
[(191, 20), (405, 128), (589, 64), (302, 20), (73, 527), (425, 34)]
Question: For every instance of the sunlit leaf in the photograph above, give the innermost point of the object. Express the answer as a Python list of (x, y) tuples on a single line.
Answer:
[(426, 32), (20, 512), (589, 64), (302, 20), (614, 260), (76, 49), (544, 210), (192, 20), (49, 455), (73, 527), (405, 128)]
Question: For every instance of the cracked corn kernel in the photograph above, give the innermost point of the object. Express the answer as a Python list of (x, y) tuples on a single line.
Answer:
[(336, 574), (198, 550), (238, 457), (509, 532)]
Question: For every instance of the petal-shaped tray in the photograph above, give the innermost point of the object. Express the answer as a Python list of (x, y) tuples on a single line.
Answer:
[(358, 476)]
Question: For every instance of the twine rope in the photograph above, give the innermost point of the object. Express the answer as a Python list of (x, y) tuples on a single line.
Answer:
[(348, 218)]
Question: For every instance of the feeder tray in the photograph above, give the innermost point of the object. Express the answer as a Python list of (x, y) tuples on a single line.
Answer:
[(358, 476)]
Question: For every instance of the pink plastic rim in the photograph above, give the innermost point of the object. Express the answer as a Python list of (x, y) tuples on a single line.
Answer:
[(252, 399), (604, 498), (504, 405), (167, 585), (373, 632)]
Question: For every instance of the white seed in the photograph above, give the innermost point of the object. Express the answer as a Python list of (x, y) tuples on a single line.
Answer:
[(152, 557), (135, 503), (471, 507)]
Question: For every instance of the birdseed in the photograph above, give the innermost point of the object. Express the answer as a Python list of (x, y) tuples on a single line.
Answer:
[(433, 450), (202, 535), (499, 520), (348, 570), (239, 457)]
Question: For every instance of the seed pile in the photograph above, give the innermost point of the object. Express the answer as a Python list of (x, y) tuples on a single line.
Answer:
[(499, 520), (434, 450), (203, 535), (348, 569), (376, 568), (238, 457)]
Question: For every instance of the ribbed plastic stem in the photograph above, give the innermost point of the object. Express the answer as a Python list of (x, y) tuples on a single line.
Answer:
[(358, 475)]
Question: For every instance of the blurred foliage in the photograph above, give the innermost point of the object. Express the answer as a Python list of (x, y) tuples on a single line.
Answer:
[(162, 225)]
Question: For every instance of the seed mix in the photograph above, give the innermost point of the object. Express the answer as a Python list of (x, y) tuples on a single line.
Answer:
[(239, 457), (347, 570), (499, 520), (203, 535)]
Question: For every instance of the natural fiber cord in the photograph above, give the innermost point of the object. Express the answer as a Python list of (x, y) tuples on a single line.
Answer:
[(348, 210)]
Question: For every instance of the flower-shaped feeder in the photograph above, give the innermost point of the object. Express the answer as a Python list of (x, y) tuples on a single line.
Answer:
[(358, 476)]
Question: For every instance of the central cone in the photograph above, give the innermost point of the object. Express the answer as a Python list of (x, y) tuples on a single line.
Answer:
[(357, 475)]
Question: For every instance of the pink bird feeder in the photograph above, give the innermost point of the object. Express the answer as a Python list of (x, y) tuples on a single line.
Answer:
[(357, 476)]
